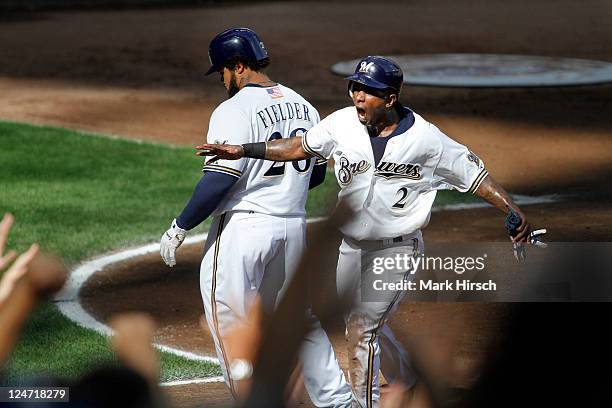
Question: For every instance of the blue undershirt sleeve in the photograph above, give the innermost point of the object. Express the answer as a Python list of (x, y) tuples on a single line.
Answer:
[(318, 174), (206, 196)]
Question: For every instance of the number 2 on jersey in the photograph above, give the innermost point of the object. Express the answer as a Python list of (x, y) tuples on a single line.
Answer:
[(402, 201), (278, 168)]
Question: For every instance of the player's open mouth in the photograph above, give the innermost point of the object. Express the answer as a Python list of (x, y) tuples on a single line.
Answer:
[(361, 113)]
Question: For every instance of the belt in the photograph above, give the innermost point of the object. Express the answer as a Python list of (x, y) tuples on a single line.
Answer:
[(264, 214), (387, 241), (397, 240)]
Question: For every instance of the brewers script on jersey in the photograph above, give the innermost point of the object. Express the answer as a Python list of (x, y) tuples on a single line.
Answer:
[(260, 227), (390, 202), (395, 197), (389, 163)]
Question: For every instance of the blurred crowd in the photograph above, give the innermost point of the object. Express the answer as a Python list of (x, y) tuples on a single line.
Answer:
[(551, 355), (32, 277)]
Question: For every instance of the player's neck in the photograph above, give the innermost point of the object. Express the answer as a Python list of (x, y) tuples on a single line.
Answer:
[(386, 125), (257, 78)]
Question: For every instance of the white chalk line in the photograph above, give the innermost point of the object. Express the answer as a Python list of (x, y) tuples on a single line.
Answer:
[(68, 303), (518, 199), (67, 300), (192, 381)]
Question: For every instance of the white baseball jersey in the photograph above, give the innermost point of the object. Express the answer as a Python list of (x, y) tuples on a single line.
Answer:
[(395, 197), (255, 254), (260, 114)]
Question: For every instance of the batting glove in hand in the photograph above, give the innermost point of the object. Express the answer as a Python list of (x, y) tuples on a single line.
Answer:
[(170, 241), (512, 222)]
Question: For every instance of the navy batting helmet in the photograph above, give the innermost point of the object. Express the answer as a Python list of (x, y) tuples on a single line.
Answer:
[(378, 72), (235, 42)]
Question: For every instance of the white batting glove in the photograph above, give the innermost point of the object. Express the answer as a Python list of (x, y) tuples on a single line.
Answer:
[(170, 241), (535, 238)]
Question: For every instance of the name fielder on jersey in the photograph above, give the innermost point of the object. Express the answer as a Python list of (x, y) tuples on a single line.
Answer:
[(273, 114)]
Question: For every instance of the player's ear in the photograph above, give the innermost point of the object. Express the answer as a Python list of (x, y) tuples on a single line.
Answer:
[(391, 99), (240, 68)]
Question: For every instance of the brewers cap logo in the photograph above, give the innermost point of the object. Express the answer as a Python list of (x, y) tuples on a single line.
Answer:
[(365, 66)]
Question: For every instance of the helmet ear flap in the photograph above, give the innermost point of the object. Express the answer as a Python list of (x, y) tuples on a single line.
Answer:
[(350, 89)]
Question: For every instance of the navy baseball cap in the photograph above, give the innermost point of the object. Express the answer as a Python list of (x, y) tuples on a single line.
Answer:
[(378, 72), (235, 42)]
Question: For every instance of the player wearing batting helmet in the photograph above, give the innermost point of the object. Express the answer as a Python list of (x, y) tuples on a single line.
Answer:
[(258, 231), (389, 163)]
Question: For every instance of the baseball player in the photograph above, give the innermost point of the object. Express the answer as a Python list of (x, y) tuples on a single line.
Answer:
[(389, 163), (258, 231)]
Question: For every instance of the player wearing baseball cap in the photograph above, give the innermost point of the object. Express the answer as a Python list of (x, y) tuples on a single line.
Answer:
[(258, 231), (389, 163)]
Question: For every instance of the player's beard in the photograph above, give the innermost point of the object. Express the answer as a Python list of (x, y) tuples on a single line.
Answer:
[(372, 117), (376, 120), (232, 88)]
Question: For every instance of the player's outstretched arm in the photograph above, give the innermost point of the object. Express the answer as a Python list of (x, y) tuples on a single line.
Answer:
[(277, 150), (490, 191)]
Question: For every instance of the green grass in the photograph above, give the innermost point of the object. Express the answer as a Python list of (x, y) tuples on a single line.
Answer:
[(322, 199), (51, 345), (446, 197), (81, 195)]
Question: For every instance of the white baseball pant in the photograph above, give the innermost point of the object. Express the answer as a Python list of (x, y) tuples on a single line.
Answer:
[(372, 345), (248, 254)]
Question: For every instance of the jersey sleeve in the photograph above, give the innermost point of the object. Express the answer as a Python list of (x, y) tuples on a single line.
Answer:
[(458, 168), (319, 140), (318, 173), (231, 126), (208, 193)]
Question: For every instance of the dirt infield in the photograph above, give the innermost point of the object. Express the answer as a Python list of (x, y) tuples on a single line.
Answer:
[(455, 336), (138, 73)]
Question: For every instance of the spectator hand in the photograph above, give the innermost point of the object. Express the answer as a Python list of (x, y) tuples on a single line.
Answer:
[(5, 227)]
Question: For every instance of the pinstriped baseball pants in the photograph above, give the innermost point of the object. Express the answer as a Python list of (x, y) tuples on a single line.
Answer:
[(372, 345), (248, 254)]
